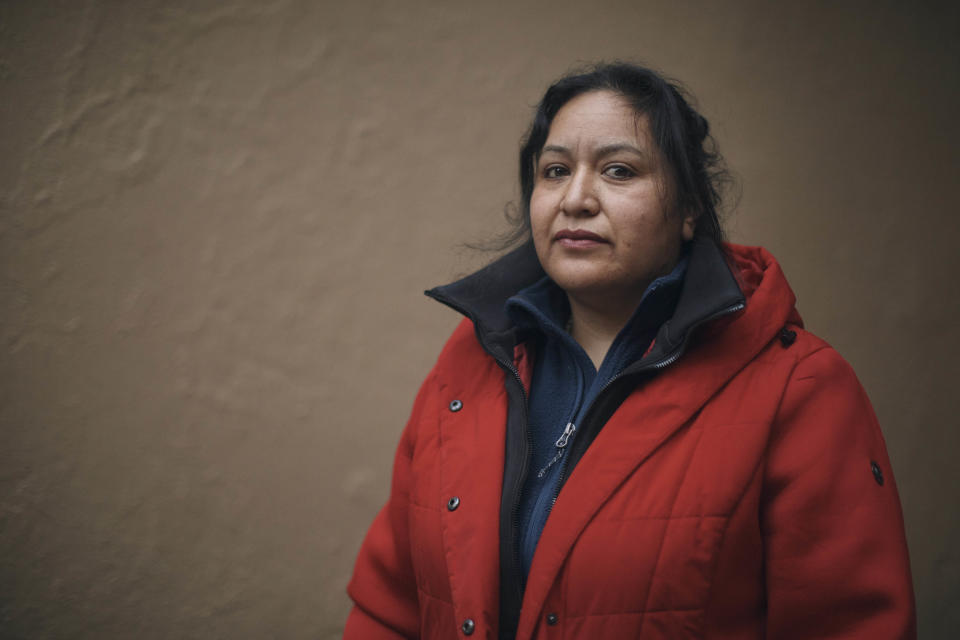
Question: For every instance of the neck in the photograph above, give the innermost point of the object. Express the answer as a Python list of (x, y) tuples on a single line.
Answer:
[(595, 327)]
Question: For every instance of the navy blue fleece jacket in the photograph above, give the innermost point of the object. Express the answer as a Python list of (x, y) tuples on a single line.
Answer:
[(565, 382)]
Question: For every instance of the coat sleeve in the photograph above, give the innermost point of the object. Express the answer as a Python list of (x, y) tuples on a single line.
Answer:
[(383, 587), (834, 546)]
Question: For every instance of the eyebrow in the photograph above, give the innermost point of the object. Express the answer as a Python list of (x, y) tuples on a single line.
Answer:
[(602, 151)]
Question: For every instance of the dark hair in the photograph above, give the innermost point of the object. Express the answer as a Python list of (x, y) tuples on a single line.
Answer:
[(681, 134)]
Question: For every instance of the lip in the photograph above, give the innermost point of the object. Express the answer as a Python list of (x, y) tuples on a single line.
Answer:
[(578, 238)]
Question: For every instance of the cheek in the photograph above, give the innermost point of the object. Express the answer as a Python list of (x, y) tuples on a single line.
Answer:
[(540, 221), (540, 218)]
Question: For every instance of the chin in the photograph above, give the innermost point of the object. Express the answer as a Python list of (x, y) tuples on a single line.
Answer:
[(586, 282), (582, 283)]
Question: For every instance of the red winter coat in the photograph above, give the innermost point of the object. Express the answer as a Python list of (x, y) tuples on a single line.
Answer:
[(743, 491)]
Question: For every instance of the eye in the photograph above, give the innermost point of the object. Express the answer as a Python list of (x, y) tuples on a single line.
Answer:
[(619, 172), (554, 171)]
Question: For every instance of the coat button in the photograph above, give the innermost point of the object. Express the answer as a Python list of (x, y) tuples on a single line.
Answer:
[(455, 405), (787, 337), (468, 627), (552, 619), (877, 473), (453, 503)]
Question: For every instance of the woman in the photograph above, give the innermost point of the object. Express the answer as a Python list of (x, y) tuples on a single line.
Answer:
[(630, 435)]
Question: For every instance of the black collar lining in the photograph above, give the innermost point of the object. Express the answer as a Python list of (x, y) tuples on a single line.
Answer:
[(708, 289)]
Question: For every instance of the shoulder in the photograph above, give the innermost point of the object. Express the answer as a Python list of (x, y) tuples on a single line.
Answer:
[(804, 354), (462, 362), (814, 358), (809, 385), (463, 374), (462, 342), (822, 400), (462, 351)]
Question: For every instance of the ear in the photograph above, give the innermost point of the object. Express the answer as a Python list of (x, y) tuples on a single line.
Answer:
[(688, 227)]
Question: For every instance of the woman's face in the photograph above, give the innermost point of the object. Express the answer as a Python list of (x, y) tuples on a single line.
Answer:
[(599, 212)]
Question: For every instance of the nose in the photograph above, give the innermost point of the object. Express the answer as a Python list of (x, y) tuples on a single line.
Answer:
[(580, 198)]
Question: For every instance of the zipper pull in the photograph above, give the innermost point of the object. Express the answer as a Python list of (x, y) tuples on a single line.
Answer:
[(565, 437), (560, 443)]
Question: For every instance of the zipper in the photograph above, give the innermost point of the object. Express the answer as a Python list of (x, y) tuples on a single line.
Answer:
[(559, 444), (658, 365), (517, 577), (521, 479), (565, 437)]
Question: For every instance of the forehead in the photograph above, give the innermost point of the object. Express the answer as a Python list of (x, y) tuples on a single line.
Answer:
[(598, 118)]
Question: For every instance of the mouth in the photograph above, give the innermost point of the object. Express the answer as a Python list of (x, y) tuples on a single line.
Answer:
[(578, 239)]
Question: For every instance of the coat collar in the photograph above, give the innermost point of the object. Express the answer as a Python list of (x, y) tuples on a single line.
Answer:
[(709, 290)]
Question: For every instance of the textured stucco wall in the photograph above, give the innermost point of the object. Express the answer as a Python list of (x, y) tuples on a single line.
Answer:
[(209, 212)]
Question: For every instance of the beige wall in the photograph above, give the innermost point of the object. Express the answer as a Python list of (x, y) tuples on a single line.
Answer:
[(217, 218)]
